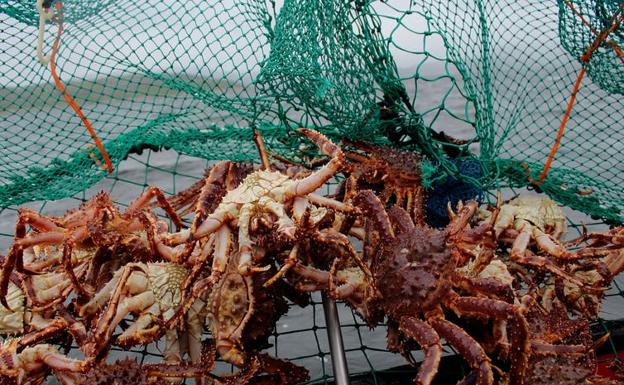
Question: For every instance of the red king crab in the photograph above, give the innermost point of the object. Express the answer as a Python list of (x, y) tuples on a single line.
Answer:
[(25, 361), (540, 220), (414, 269), (96, 223), (583, 295), (241, 314), (261, 195), (395, 175), (153, 291)]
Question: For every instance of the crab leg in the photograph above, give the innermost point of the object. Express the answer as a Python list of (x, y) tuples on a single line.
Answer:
[(312, 182), (48, 355), (491, 308), (541, 262), (212, 192), (138, 333), (467, 347), (155, 230), (213, 222), (245, 243), (144, 199), (342, 240), (331, 284), (195, 320), (264, 158), (44, 289), (290, 262), (285, 225), (300, 204), (53, 328), (105, 325), (548, 244), (223, 243), (400, 219), (429, 340), (328, 202), (374, 210), (311, 273), (15, 256), (101, 297), (69, 270), (550, 349)]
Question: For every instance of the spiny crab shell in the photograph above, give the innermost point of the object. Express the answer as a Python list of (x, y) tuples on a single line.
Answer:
[(241, 313), (121, 372), (417, 273), (166, 282)]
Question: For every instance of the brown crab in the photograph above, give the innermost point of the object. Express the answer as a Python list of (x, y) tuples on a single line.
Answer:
[(263, 199), (395, 175), (96, 223), (25, 360), (413, 268)]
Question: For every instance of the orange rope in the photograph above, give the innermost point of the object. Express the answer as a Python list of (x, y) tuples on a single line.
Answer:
[(68, 98), (615, 21), (610, 43)]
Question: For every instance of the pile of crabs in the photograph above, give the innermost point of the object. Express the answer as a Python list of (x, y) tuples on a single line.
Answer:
[(498, 283)]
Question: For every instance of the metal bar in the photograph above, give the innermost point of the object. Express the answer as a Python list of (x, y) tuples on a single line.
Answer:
[(339, 360)]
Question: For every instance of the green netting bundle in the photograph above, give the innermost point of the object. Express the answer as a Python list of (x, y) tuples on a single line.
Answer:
[(197, 76)]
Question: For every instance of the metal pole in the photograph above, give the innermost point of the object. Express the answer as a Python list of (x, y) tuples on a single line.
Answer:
[(339, 360)]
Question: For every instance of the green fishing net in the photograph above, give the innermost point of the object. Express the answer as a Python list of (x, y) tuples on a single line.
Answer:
[(196, 76), (169, 81)]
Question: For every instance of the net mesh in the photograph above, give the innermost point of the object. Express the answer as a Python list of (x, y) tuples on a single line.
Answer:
[(191, 79)]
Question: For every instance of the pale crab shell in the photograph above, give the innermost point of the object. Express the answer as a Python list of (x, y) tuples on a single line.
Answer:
[(12, 321), (539, 211), (495, 269), (498, 270), (166, 280), (259, 184)]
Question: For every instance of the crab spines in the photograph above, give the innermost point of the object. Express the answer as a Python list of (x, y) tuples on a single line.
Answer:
[(68, 246), (212, 192), (312, 182), (374, 210), (288, 372), (467, 347), (519, 328), (429, 341), (400, 219), (323, 143), (103, 330), (142, 201)]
